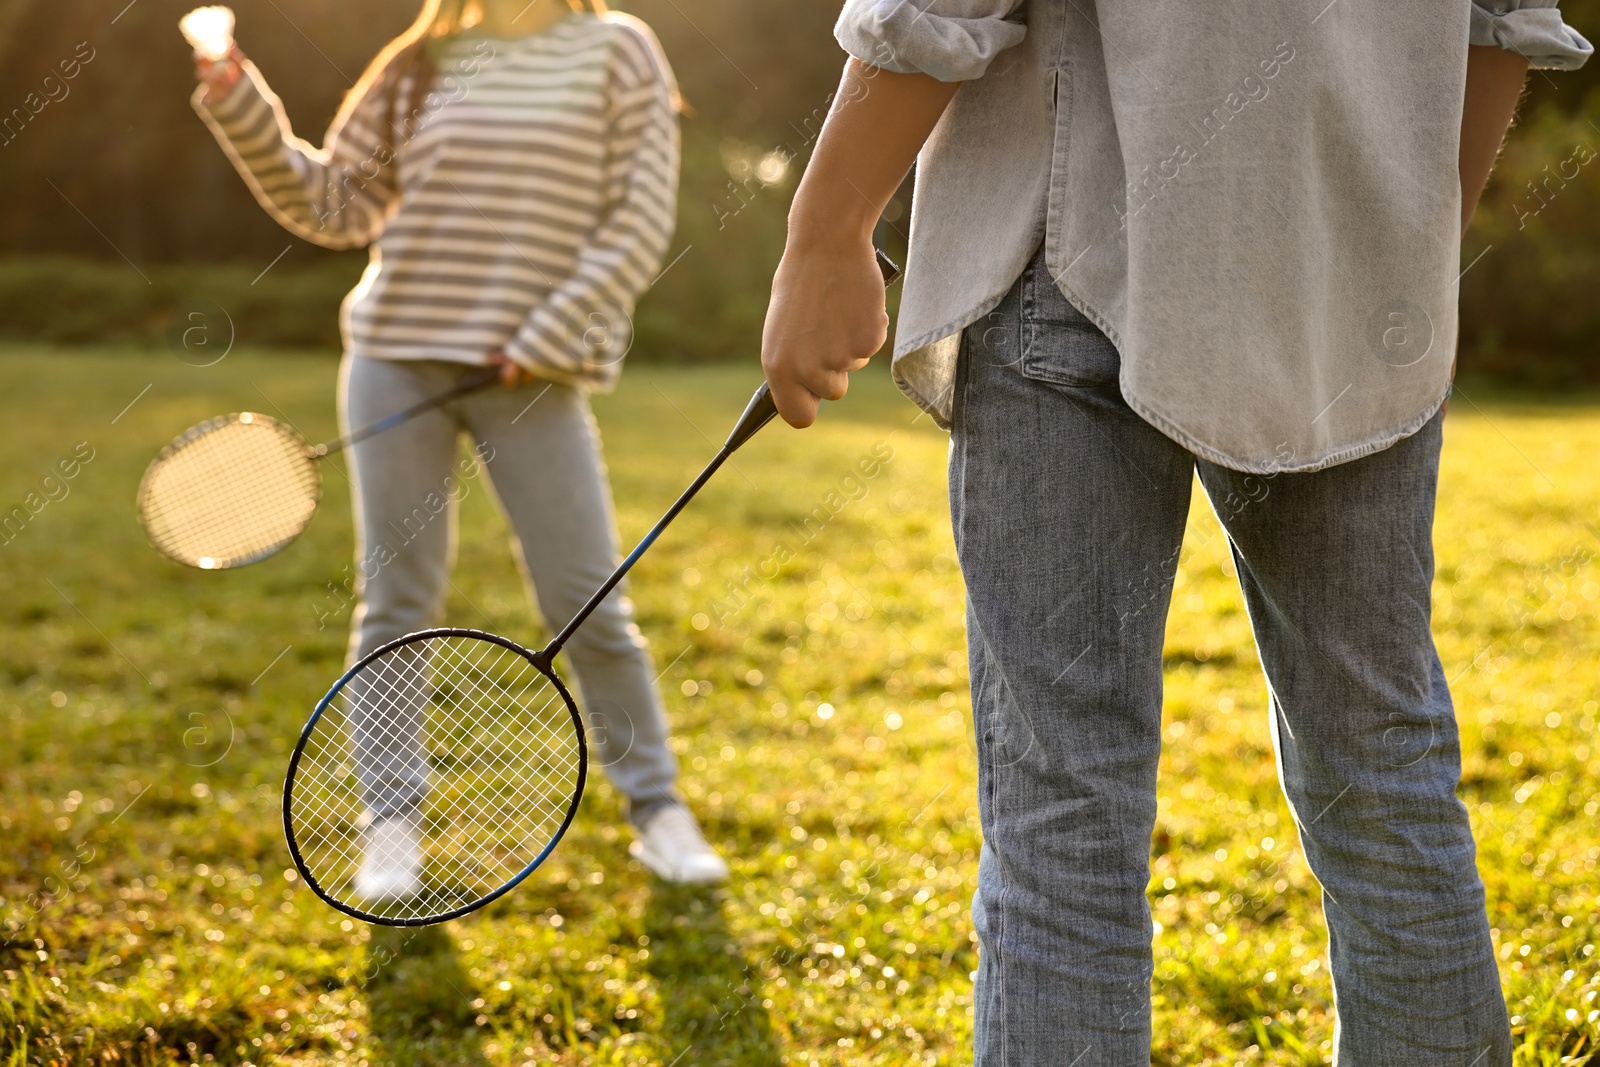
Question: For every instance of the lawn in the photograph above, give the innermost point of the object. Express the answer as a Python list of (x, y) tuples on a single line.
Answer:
[(150, 910)]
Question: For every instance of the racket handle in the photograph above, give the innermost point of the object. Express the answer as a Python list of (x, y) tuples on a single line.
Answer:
[(761, 408), (757, 414), (890, 269)]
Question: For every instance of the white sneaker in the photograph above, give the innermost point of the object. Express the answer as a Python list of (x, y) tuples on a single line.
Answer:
[(672, 846), (392, 866)]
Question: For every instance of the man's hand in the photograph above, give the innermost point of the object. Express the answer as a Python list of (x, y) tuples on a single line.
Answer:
[(1495, 78), (826, 319), (1494, 83)]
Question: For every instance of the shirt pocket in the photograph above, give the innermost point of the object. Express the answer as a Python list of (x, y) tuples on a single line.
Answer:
[(1059, 343)]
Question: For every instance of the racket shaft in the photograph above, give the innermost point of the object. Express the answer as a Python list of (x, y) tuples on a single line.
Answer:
[(633, 557), (756, 414), (470, 384)]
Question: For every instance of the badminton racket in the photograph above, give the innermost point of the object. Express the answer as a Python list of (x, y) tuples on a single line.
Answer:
[(237, 489), (444, 767)]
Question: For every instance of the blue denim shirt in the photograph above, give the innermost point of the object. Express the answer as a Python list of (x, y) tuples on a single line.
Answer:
[(1260, 205)]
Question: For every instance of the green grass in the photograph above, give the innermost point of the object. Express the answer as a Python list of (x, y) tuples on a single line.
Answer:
[(146, 712)]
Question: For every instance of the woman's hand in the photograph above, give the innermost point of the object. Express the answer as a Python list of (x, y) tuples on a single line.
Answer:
[(219, 77), (825, 320), (512, 373)]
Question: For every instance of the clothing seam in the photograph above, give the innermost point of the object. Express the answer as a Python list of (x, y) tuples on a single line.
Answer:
[(1195, 446), (1149, 413), (993, 666), (963, 352), (953, 325), (930, 405), (1332, 459)]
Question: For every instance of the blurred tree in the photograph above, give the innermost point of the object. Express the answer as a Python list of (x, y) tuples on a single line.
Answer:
[(1532, 257), (12, 13), (749, 67), (124, 148), (118, 167)]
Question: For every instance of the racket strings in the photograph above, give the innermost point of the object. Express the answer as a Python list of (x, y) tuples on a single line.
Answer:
[(531, 788), (338, 828), (462, 737), (478, 786), (229, 492)]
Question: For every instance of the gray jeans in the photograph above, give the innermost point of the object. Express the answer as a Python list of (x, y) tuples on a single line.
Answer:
[(1069, 514), (540, 449)]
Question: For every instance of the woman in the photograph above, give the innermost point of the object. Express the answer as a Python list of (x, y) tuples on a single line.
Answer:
[(514, 167)]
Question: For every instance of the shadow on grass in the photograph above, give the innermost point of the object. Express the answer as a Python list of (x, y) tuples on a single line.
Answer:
[(711, 995), (419, 1000)]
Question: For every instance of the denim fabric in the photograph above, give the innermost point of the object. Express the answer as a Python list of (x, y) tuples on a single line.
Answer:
[(1069, 513), (540, 451)]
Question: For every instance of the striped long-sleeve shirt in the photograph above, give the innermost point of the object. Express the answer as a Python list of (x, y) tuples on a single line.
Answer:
[(524, 209)]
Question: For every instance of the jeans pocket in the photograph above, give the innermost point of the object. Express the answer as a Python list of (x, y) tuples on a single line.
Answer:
[(1059, 343)]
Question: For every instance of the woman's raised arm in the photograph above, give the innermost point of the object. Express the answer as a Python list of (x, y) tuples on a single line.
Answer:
[(337, 196)]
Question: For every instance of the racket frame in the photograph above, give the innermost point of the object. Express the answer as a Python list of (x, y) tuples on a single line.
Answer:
[(478, 380), (202, 429), (542, 663)]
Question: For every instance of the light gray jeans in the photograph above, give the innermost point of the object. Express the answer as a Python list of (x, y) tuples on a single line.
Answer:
[(1069, 513), (540, 449)]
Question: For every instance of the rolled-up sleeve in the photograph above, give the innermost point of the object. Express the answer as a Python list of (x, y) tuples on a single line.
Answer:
[(951, 40), (1532, 28)]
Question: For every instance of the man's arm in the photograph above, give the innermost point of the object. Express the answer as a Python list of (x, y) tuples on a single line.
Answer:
[(1494, 83), (827, 316)]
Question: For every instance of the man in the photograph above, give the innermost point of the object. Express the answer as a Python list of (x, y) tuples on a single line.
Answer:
[(1152, 239)]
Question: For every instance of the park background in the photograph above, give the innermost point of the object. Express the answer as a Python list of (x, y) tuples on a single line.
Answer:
[(822, 715)]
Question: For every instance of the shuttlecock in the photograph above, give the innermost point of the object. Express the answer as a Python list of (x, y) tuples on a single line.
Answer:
[(210, 31)]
